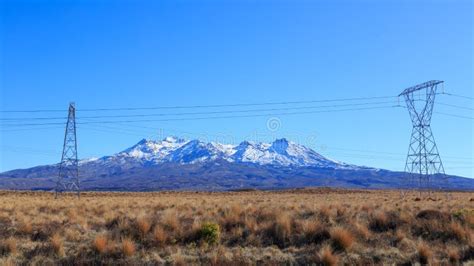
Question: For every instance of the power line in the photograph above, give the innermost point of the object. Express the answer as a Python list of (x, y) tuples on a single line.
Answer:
[(134, 129), (453, 115), (209, 117), (3, 130), (139, 130), (387, 153), (115, 131), (202, 113), (200, 106), (458, 95), (234, 105), (456, 106), (447, 114), (29, 150)]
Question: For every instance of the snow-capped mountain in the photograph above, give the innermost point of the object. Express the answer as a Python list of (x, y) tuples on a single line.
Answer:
[(175, 150), (178, 164)]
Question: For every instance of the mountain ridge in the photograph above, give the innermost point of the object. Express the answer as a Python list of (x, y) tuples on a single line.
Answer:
[(280, 152), (178, 164)]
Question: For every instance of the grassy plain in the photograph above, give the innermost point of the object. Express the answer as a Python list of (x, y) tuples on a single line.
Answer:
[(311, 226)]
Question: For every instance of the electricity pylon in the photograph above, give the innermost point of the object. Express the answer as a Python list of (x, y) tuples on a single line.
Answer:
[(68, 178), (423, 161)]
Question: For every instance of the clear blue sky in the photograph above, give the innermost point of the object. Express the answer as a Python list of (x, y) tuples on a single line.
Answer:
[(105, 54)]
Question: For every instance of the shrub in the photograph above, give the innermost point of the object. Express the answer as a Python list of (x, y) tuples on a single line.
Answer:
[(178, 258), (57, 244), (143, 226), (325, 213), (424, 253), (382, 221), (458, 232), (210, 233), (342, 238), (399, 236), (327, 258), (453, 255), (438, 230), (170, 220), (314, 232), (159, 235), (279, 230), (128, 247), (433, 215), (25, 228), (100, 244), (8, 246), (362, 231)]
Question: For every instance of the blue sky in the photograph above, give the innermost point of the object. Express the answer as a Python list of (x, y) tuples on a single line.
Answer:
[(107, 54)]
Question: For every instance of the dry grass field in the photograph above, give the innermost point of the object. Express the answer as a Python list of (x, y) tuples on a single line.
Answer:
[(314, 226)]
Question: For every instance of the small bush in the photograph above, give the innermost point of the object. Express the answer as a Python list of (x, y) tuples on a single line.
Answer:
[(57, 245), (278, 230), (325, 213), (210, 233), (453, 255), (316, 233), (424, 253), (128, 247), (382, 221), (143, 226), (342, 238), (399, 236), (25, 228), (458, 232), (170, 220), (362, 231), (8, 246), (327, 258), (433, 215), (159, 235), (100, 244)]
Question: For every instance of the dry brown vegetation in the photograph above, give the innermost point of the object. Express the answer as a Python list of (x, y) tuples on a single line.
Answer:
[(314, 226)]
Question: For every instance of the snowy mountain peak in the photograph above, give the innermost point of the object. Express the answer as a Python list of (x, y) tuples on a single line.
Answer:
[(280, 146), (173, 139), (280, 152)]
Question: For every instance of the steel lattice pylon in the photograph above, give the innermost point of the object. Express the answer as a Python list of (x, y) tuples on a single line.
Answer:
[(68, 178), (423, 162)]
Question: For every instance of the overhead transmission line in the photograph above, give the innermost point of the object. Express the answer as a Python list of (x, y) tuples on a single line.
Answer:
[(198, 106), (205, 118), (138, 130), (454, 115), (201, 113), (448, 114), (219, 113), (456, 106), (458, 95)]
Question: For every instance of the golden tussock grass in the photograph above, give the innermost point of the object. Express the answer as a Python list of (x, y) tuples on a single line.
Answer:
[(143, 226), (327, 257), (342, 238), (159, 235), (453, 255), (100, 244), (128, 247), (8, 246), (57, 244), (25, 228), (424, 252), (321, 226)]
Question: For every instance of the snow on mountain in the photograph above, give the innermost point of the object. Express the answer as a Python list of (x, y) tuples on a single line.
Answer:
[(152, 165), (281, 152)]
